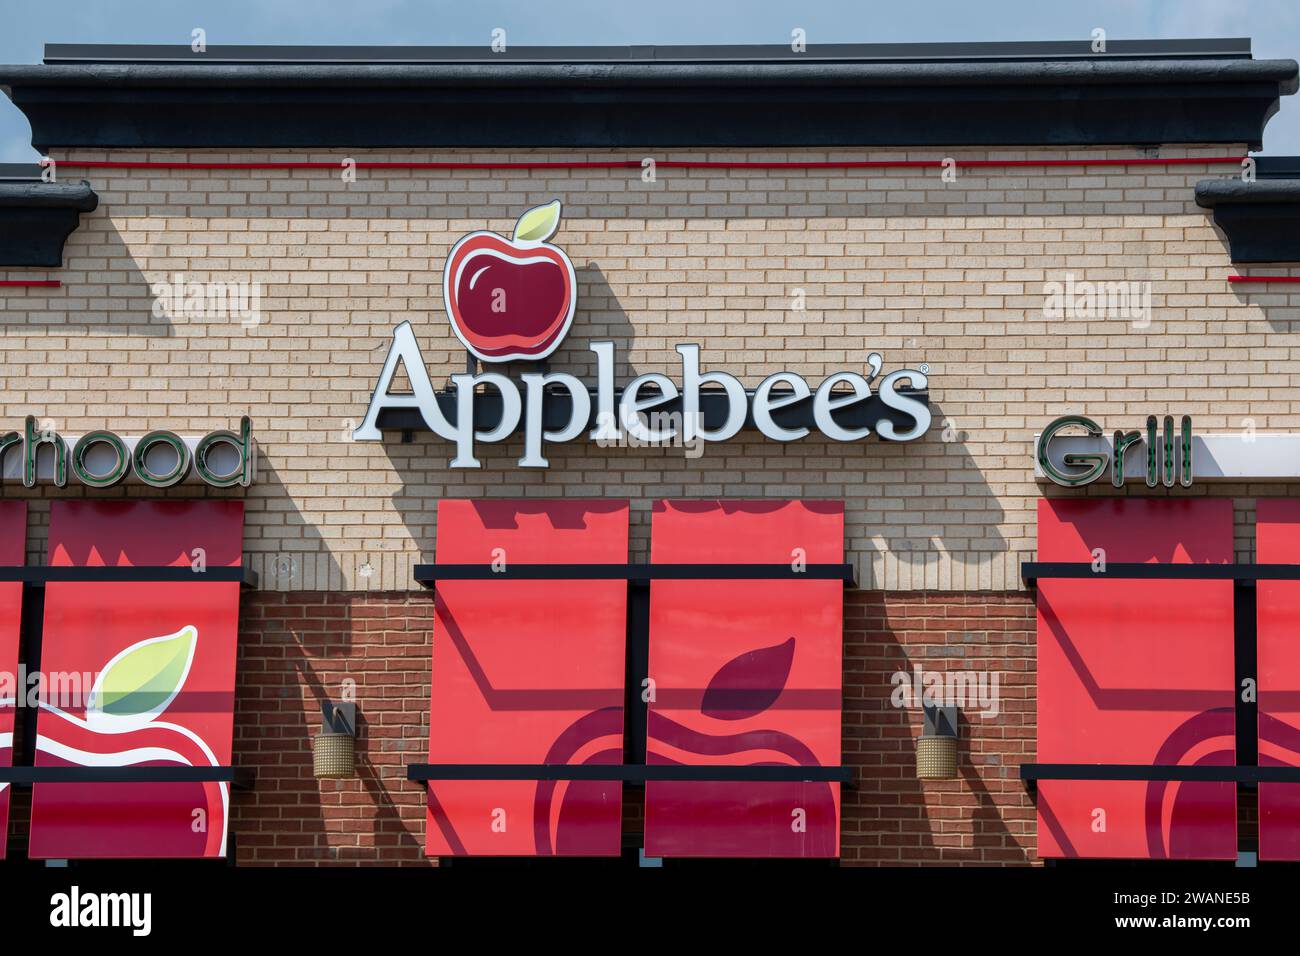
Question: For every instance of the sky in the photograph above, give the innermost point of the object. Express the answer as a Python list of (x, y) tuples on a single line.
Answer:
[(1272, 25)]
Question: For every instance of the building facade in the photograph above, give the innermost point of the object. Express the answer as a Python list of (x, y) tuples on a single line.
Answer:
[(1033, 232)]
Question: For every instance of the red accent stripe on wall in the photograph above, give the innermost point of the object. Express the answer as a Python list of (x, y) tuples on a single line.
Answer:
[(30, 283), (1264, 278), (670, 164)]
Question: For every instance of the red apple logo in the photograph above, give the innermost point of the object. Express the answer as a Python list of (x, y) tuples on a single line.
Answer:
[(511, 298)]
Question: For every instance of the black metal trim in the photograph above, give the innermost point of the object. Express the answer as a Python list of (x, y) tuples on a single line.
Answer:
[(36, 219), (1260, 219), (1277, 167), (430, 574), (576, 72), (628, 773), (635, 704), (31, 643), (243, 778), (1240, 773), (557, 409), (1216, 47), (1245, 658), (1214, 193), (21, 172), (1032, 571), (653, 103), (41, 575)]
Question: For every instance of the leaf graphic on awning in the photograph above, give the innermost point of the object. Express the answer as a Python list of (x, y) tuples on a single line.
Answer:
[(141, 682), (749, 684)]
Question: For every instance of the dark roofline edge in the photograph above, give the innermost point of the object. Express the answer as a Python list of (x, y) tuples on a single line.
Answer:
[(1221, 47), (651, 105), (604, 75), (1260, 218), (1216, 192), (36, 219), (41, 195)]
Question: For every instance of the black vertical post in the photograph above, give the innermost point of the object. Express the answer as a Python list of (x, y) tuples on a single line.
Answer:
[(638, 669), (1245, 667), (31, 628), (1245, 660)]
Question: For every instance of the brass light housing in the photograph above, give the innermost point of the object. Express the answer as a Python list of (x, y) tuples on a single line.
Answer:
[(333, 750), (936, 748), (333, 756)]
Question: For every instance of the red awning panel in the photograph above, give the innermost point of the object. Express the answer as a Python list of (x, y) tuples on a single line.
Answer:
[(1277, 541), (13, 541), (746, 673), (138, 674), (1136, 672), (528, 672)]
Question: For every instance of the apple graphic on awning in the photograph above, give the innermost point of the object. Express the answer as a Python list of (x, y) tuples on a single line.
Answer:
[(710, 818), (511, 298), (122, 725)]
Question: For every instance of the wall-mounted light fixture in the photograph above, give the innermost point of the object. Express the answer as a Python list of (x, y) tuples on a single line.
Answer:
[(936, 749), (333, 750)]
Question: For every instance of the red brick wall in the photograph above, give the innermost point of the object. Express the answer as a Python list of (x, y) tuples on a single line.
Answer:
[(985, 817), (295, 649), (295, 646)]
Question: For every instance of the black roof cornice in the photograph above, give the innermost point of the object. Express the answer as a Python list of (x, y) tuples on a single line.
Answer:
[(1147, 96)]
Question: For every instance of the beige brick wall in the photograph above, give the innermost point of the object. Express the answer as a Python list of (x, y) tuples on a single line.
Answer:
[(894, 260)]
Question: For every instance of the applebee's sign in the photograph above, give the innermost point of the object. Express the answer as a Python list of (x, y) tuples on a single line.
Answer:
[(513, 299)]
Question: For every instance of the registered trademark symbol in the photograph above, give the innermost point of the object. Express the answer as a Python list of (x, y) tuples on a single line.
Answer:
[(925, 368)]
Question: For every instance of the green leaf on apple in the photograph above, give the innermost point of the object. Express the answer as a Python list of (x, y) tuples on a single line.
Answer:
[(539, 223), (143, 679)]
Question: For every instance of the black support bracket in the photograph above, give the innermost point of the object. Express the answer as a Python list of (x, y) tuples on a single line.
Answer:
[(1031, 571), (628, 773), (42, 575), (240, 777), (430, 574)]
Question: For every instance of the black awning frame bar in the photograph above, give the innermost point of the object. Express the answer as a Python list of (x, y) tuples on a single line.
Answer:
[(1032, 773), (243, 778), (430, 574), (39, 576), (1032, 571), (629, 773)]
